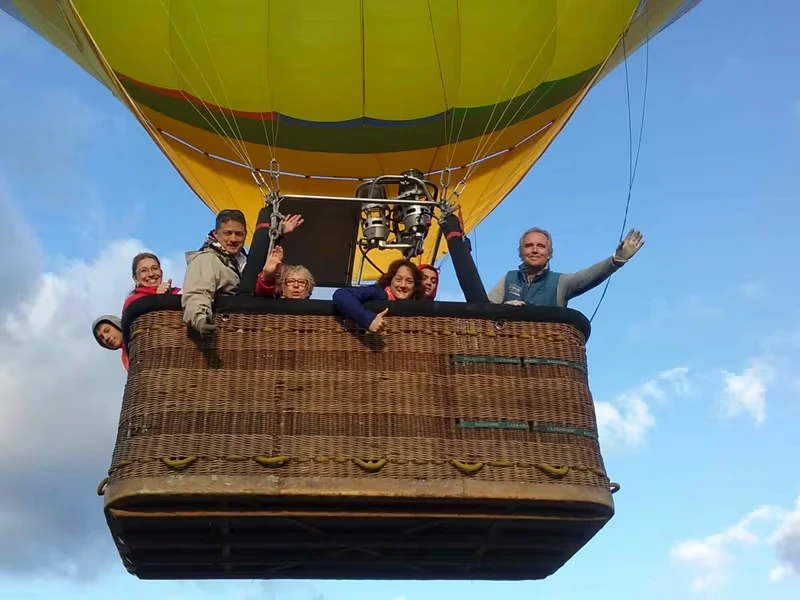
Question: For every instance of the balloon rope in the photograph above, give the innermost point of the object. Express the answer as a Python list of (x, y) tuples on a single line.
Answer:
[(241, 152), (632, 164), (447, 134), (275, 124), (484, 147), (222, 87), (487, 143), (369, 260), (216, 127)]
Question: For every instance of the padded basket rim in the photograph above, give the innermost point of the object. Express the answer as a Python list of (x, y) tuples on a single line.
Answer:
[(406, 308)]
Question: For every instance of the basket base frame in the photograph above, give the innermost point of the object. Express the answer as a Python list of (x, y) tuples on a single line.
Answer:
[(270, 527)]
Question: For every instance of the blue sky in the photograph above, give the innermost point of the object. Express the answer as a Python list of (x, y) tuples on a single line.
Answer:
[(692, 356)]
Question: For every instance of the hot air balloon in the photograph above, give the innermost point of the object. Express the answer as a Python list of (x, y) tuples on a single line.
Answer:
[(291, 445)]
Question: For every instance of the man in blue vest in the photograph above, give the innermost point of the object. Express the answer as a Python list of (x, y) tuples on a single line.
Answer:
[(534, 283)]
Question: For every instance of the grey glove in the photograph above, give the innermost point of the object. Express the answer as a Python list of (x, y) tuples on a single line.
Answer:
[(204, 323), (632, 243)]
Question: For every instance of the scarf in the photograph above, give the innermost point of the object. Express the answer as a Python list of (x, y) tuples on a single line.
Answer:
[(236, 263)]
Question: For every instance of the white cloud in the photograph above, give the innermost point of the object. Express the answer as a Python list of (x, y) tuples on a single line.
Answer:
[(781, 572), (626, 421), (678, 378), (769, 373), (627, 418), (747, 392), (711, 557), (787, 545), (60, 395)]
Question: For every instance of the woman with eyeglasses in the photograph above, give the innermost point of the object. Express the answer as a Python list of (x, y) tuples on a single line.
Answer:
[(148, 278), (277, 280)]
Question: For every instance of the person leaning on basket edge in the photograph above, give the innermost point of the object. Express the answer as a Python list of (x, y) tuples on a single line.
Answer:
[(216, 269), (402, 281), (535, 284)]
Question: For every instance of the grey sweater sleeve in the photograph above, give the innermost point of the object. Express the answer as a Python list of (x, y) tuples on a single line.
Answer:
[(497, 292), (571, 285)]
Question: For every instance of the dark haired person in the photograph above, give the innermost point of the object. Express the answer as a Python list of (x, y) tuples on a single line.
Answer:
[(402, 281), (430, 281), (217, 267), (107, 331)]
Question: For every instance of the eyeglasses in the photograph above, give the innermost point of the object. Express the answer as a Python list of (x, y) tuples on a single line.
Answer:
[(145, 270), (298, 282)]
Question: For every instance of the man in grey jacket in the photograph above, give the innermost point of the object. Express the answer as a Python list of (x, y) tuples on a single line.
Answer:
[(535, 284), (217, 267), (214, 269)]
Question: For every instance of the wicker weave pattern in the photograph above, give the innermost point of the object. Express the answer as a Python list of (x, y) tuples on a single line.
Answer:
[(323, 396)]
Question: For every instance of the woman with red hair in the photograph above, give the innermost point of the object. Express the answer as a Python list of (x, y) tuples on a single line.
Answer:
[(430, 281)]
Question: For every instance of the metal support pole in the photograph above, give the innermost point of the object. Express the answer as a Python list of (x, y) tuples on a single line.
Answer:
[(359, 200)]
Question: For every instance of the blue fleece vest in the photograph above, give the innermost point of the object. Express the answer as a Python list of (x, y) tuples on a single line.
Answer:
[(542, 291)]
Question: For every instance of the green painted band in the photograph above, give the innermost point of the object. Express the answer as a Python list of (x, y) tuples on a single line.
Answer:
[(579, 431), (469, 424), (554, 362), (464, 359), (525, 426)]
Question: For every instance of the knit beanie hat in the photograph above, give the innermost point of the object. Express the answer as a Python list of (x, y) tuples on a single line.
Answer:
[(111, 320)]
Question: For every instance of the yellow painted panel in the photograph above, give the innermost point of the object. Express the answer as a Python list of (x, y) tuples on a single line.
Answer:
[(403, 75), (222, 55), (305, 59), (507, 46), (134, 37), (587, 32), (315, 59)]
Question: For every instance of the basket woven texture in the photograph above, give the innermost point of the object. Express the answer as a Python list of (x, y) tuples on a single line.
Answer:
[(310, 396)]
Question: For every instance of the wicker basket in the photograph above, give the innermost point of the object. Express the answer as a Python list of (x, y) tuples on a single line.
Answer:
[(296, 446)]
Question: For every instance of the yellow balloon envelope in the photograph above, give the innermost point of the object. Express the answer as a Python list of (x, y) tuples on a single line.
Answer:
[(328, 92)]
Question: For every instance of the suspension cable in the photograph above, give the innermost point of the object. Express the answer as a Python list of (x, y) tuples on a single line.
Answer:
[(633, 164)]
